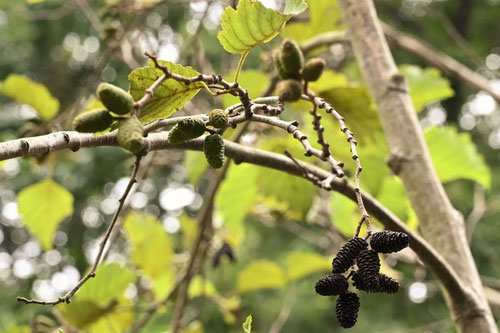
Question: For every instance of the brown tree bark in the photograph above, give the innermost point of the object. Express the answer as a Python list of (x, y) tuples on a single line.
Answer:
[(441, 225)]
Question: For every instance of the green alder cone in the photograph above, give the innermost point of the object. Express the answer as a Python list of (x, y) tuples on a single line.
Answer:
[(131, 135), (218, 118), (289, 90), (284, 75), (214, 150), (292, 58), (313, 69), (92, 121), (115, 99), (186, 129)]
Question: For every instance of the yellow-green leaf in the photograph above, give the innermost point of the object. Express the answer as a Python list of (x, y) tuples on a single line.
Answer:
[(261, 274), (110, 282), (247, 325), (17, 329), (300, 264), (42, 207), (171, 96), (344, 214), (235, 197), (456, 157), (87, 314), (148, 240), (426, 85), (23, 90), (252, 24)]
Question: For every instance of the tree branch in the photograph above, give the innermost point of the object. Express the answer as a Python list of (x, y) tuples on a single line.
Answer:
[(442, 61), (241, 154)]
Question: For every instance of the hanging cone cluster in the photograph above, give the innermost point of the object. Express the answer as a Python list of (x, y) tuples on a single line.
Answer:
[(289, 63), (330, 285), (186, 129), (389, 241), (347, 309), (366, 278), (347, 254)]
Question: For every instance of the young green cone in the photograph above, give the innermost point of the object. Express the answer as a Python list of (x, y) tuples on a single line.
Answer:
[(92, 121), (186, 129), (115, 99), (313, 69), (130, 135), (292, 59), (218, 118), (289, 90), (214, 150)]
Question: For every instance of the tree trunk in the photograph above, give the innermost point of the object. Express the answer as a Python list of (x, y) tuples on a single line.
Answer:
[(441, 225)]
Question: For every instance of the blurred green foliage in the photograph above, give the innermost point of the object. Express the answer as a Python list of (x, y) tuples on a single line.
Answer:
[(274, 223)]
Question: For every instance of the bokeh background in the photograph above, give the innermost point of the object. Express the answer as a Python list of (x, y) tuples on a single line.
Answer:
[(284, 232)]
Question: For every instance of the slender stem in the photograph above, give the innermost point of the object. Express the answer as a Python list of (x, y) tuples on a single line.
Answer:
[(240, 65), (67, 297)]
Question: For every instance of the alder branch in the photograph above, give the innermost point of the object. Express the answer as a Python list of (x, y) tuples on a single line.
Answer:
[(445, 63), (67, 297), (241, 154), (440, 60)]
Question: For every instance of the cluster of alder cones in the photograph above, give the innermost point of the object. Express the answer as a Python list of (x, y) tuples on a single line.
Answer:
[(367, 277)]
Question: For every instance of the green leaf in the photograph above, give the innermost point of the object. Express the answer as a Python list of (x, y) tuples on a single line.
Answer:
[(250, 25), (455, 156), (393, 196), (195, 164), (261, 274), (247, 325), (23, 90), (42, 207), (148, 239), (344, 214), (88, 315), (17, 329), (297, 193), (171, 96), (426, 85), (235, 197), (324, 15), (355, 105), (110, 282), (201, 287), (295, 7), (300, 264)]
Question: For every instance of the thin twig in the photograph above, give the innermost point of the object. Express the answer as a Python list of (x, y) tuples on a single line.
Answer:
[(286, 309), (67, 297), (353, 143)]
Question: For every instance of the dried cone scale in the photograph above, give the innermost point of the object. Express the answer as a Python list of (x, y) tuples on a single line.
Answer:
[(330, 285), (347, 309), (389, 241)]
